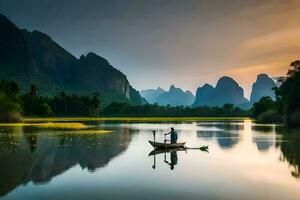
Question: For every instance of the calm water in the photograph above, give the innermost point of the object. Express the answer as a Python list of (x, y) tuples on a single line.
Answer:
[(245, 161)]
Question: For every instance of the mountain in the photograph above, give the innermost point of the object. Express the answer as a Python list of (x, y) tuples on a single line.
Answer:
[(34, 58), (16, 60), (262, 87), (176, 97), (227, 90), (202, 95), (151, 95)]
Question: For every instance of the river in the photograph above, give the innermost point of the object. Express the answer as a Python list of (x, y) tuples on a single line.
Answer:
[(245, 161)]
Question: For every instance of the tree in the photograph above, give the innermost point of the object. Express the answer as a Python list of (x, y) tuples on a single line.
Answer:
[(10, 107), (263, 105), (289, 95), (33, 91), (34, 105), (10, 111)]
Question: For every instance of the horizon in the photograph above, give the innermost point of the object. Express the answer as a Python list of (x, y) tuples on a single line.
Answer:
[(189, 43)]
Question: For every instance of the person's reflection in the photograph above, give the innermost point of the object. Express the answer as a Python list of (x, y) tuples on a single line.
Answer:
[(173, 158), (31, 138)]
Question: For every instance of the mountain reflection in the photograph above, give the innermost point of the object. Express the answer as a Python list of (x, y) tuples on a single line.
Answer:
[(38, 156), (226, 134), (224, 139), (263, 137)]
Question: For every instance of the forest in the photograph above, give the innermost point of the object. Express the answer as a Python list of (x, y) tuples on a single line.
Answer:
[(13, 105), (154, 110)]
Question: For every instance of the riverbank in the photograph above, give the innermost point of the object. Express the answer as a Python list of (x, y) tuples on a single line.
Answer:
[(144, 119)]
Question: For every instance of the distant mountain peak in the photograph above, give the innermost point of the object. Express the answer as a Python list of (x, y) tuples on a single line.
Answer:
[(227, 90), (151, 95), (262, 87), (174, 96), (160, 89), (226, 80), (262, 76), (91, 54), (93, 57), (206, 85), (172, 87)]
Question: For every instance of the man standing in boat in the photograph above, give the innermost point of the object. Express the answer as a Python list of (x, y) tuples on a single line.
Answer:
[(173, 135)]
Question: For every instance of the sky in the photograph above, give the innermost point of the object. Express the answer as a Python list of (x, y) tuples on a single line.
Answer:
[(157, 43)]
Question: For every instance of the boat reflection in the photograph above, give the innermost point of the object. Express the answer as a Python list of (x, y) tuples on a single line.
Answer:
[(173, 158)]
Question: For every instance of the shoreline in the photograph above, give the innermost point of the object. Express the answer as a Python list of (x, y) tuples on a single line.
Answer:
[(64, 119)]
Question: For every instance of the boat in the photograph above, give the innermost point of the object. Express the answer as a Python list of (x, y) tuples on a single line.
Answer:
[(166, 145)]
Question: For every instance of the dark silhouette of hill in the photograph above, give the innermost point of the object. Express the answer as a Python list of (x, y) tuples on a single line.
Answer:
[(176, 97), (151, 95), (262, 87), (226, 91), (202, 95), (34, 58)]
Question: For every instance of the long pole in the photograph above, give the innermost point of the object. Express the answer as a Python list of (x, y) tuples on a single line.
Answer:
[(154, 163)]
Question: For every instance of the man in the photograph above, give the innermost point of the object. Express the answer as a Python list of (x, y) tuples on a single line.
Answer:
[(173, 135)]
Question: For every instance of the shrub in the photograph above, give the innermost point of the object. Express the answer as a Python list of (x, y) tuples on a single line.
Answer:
[(9, 111), (270, 116), (295, 119)]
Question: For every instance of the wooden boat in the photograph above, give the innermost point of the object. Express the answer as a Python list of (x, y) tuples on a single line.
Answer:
[(162, 150), (166, 145)]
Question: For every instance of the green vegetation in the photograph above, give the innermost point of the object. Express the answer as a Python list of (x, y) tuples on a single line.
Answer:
[(140, 119), (10, 107), (55, 125), (286, 108), (13, 104), (265, 111), (154, 110)]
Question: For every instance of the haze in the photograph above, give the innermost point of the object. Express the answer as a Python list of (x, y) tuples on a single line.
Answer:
[(163, 42)]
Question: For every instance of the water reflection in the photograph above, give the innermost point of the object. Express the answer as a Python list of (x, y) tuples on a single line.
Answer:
[(244, 157), (170, 156), (290, 149), (264, 136), (30, 154), (225, 139), (226, 133), (173, 159)]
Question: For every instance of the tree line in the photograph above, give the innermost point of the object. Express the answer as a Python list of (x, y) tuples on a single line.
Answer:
[(154, 110), (13, 105), (286, 107)]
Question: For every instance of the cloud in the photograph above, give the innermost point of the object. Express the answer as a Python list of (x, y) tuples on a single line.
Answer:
[(274, 42)]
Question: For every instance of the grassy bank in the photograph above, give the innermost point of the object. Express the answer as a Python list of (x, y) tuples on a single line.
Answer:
[(145, 119)]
